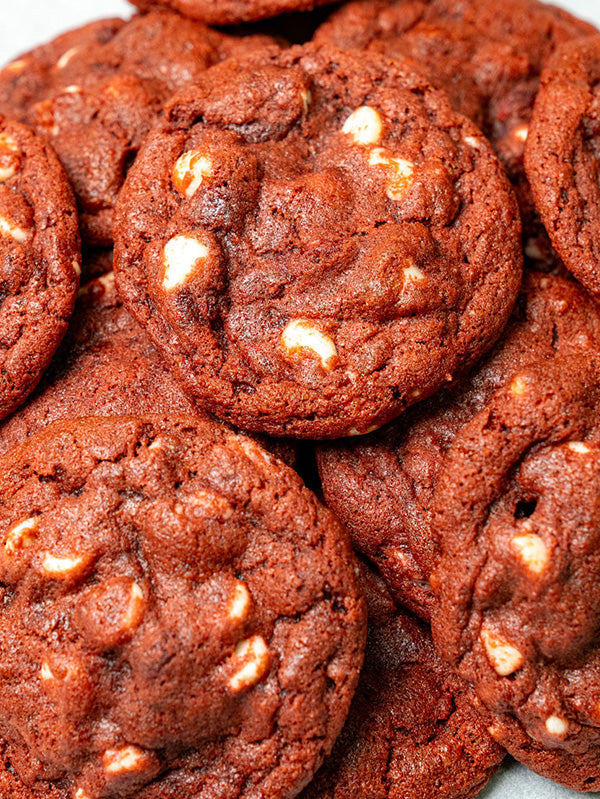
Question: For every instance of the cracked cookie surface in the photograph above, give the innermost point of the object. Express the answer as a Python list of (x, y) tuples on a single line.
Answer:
[(315, 240), (40, 260), (155, 564)]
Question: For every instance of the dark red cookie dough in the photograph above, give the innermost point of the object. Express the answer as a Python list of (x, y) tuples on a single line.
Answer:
[(40, 260), (180, 616), (487, 56), (227, 12), (107, 366), (97, 90), (411, 732), (328, 245), (382, 486), (563, 157)]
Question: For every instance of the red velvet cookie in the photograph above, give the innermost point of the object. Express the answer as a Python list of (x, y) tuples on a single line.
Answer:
[(96, 91), (180, 616), (563, 157), (315, 240), (412, 732), (227, 12), (40, 260), (487, 56)]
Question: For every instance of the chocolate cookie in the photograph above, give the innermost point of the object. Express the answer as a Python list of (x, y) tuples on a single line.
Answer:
[(107, 366), (227, 12), (315, 240), (488, 58), (96, 91), (382, 486), (411, 732), (40, 260), (563, 155), (517, 597), (180, 616)]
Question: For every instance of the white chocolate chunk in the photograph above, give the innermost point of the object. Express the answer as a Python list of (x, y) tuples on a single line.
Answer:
[(124, 760), (214, 504), (77, 267), (8, 144), (518, 387), (46, 672), (21, 535), (412, 274), (300, 334), (532, 551), (306, 96), (135, 608), (364, 126), (557, 726), (181, 257), (54, 566), (356, 432), (80, 794), (473, 141), (400, 172), (13, 231), (579, 447), (190, 170), (521, 132), (416, 393), (239, 603), (16, 66), (504, 657), (66, 57), (255, 652)]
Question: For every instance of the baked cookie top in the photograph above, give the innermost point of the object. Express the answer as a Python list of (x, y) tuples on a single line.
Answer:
[(180, 616), (40, 260), (382, 486), (227, 12), (315, 240), (487, 56), (562, 157), (94, 92)]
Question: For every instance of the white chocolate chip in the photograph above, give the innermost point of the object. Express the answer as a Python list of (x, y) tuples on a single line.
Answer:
[(46, 672), (518, 387), (416, 393), (400, 172), (239, 604), (135, 608), (80, 794), (300, 334), (556, 726), (8, 143), (76, 267), (16, 66), (13, 231), (533, 251), (473, 141), (256, 654), (532, 551), (181, 257), (216, 505), (356, 432), (364, 126), (190, 170), (73, 89), (579, 447), (20, 535), (504, 657), (412, 274), (306, 96), (124, 760), (8, 146), (521, 133), (66, 57), (54, 566)]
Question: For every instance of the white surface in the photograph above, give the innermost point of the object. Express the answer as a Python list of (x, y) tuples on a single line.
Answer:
[(26, 23)]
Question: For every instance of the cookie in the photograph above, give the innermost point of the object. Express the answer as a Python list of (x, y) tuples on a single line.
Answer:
[(562, 157), (107, 366), (96, 91), (411, 732), (517, 603), (40, 259), (488, 58), (315, 240), (227, 12), (382, 486), (155, 564)]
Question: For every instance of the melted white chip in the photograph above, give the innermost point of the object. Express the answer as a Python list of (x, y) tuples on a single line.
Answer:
[(504, 657), (66, 57), (21, 535), (124, 760), (557, 726), (13, 231), (521, 133), (255, 652), (239, 603), (300, 334), (54, 566), (181, 257), (413, 274), (190, 170), (518, 387), (364, 126), (579, 447), (532, 551), (135, 608)]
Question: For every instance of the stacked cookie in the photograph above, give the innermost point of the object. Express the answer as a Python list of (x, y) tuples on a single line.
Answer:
[(320, 242)]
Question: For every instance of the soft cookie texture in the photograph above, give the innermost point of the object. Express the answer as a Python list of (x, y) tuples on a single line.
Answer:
[(180, 616), (487, 56), (563, 154), (412, 732), (96, 91), (107, 366), (226, 12), (382, 486), (315, 240), (40, 260)]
